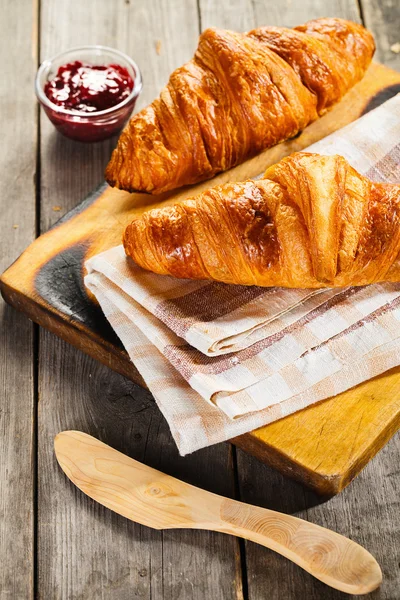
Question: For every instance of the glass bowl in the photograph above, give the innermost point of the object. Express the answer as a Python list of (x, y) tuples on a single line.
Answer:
[(83, 126)]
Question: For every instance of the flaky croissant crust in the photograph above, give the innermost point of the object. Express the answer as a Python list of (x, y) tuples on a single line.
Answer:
[(240, 94), (311, 222)]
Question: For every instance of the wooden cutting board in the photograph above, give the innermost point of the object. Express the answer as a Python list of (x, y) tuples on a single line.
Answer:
[(323, 446)]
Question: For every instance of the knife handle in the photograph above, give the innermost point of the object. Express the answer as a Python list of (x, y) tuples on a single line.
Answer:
[(328, 556)]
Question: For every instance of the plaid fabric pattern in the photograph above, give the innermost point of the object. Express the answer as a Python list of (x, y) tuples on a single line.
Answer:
[(222, 360)]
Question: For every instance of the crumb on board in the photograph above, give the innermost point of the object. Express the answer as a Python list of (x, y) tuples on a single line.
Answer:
[(158, 47), (56, 208), (15, 226), (395, 48)]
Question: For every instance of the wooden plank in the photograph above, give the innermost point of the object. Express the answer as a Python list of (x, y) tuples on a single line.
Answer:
[(242, 15), (18, 47), (84, 550), (341, 435), (382, 17), (289, 14), (233, 14)]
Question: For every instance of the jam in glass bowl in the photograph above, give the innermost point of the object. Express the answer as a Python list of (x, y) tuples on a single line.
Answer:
[(88, 93)]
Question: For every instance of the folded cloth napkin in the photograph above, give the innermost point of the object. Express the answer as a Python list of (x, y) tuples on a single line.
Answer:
[(213, 317), (286, 348)]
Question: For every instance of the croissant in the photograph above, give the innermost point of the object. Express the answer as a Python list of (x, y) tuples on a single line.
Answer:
[(240, 94), (311, 222)]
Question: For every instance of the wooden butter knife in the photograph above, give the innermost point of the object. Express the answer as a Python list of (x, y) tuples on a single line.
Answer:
[(157, 500)]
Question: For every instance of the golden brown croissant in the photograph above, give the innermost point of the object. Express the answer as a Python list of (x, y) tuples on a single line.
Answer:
[(311, 222), (240, 94)]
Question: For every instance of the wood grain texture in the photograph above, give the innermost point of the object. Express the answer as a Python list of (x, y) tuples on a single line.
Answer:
[(87, 552), (83, 550), (157, 500), (17, 207), (382, 17), (334, 452), (242, 15), (46, 282), (232, 14), (289, 14)]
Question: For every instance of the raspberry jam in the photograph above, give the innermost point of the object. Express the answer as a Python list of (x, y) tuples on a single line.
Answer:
[(89, 93), (89, 88)]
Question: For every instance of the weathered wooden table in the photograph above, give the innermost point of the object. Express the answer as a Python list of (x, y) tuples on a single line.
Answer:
[(54, 542)]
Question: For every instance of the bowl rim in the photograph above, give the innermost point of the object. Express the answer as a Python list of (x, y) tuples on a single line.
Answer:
[(44, 100)]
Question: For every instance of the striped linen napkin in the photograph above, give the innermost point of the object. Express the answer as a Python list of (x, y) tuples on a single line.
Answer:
[(222, 360)]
